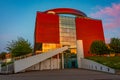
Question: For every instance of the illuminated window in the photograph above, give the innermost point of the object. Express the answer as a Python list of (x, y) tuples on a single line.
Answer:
[(49, 46)]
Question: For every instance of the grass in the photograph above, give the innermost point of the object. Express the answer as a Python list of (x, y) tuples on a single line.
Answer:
[(113, 62)]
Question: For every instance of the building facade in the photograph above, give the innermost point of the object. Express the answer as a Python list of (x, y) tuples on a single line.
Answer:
[(53, 30), (57, 33)]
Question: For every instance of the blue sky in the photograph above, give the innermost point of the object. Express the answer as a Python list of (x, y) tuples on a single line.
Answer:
[(17, 17)]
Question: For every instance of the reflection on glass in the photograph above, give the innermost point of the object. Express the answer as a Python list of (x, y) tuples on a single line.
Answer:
[(68, 32), (49, 46)]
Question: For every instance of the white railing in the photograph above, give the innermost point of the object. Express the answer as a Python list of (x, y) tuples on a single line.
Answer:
[(23, 56), (89, 64), (7, 69)]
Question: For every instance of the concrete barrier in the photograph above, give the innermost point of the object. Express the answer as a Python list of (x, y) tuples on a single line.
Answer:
[(25, 63), (89, 64)]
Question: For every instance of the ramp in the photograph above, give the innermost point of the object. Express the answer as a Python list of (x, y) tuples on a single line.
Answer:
[(25, 63)]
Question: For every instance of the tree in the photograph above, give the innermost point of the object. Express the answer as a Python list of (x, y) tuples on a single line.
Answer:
[(19, 47), (2, 55), (115, 45), (99, 48)]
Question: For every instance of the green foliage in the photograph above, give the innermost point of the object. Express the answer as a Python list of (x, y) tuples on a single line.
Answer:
[(2, 55), (99, 48), (113, 62), (115, 45), (68, 54), (19, 47), (6, 63)]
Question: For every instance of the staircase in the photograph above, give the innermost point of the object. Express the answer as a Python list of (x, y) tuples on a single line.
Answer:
[(25, 63)]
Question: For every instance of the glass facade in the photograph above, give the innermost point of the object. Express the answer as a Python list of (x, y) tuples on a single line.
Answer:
[(45, 47), (49, 46), (68, 32)]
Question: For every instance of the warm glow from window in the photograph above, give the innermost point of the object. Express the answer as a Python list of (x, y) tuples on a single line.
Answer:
[(49, 46)]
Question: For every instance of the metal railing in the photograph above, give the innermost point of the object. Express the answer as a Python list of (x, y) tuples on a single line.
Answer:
[(24, 56), (7, 69)]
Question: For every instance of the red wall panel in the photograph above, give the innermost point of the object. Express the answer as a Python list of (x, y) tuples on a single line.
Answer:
[(88, 30), (47, 28)]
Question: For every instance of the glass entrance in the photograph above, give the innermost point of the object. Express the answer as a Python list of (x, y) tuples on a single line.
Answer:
[(68, 38)]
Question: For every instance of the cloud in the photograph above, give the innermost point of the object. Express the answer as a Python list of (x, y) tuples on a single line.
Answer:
[(110, 11), (110, 15)]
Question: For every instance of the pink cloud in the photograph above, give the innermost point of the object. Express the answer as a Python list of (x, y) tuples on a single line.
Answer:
[(114, 23), (111, 16), (110, 11)]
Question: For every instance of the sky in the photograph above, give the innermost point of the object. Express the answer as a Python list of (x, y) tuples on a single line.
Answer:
[(17, 17)]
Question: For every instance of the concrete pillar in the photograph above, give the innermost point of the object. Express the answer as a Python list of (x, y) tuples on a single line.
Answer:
[(40, 66), (51, 65), (58, 62), (80, 52), (0, 67), (62, 60)]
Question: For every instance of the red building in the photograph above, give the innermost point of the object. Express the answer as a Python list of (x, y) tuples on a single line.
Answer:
[(55, 28)]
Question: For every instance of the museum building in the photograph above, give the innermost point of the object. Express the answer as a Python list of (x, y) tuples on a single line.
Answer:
[(60, 27)]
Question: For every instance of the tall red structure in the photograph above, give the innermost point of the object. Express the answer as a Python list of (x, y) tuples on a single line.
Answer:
[(89, 30), (47, 29)]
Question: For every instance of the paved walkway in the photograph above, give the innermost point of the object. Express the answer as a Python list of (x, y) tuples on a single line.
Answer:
[(65, 74)]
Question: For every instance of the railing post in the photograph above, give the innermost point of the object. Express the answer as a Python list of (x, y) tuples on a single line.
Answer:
[(0, 67), (58, 62), (51, 65), (7, 68)]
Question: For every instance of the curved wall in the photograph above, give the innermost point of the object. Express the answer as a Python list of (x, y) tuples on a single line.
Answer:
[(67, 11)]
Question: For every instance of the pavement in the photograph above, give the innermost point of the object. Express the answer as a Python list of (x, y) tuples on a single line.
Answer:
[(64, 74)]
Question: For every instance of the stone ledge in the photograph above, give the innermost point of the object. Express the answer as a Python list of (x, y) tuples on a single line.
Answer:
[(118, 72)]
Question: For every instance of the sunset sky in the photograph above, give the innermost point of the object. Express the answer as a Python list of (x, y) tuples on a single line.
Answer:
[(17, 17)]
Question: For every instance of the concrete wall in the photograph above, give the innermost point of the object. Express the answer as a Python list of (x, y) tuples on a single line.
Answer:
[(51, 63), (88, 64)]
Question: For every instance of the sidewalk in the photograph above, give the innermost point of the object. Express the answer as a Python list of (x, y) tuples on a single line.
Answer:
[(65, 74)]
